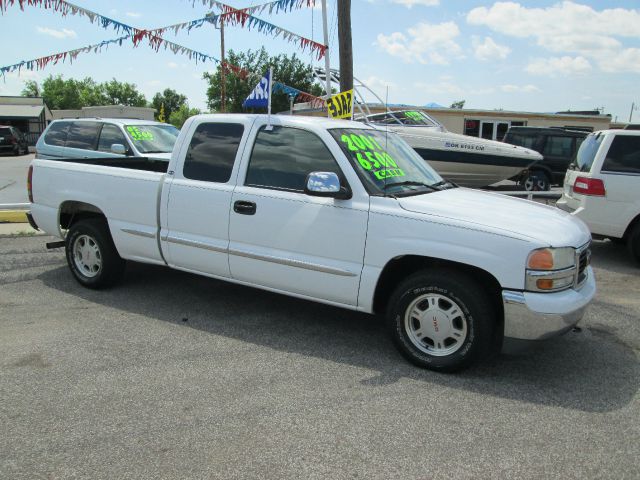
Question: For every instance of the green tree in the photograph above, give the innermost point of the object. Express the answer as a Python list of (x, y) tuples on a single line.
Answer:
[(179, 116), (61, 94), (171, 100), (122, 93), (459, 104), (288, 70), (31, 89)]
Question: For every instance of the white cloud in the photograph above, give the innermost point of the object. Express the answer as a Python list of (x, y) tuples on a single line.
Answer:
[(411, 3), (424, 43), (64, 33), (489, 49), (627, 60), (519, 88), (445, 86), (172, 65), (567, 28), (558, 66), (133, 14)]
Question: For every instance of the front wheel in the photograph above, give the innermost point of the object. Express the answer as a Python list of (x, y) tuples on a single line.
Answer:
[(441, 320), (91, 254)]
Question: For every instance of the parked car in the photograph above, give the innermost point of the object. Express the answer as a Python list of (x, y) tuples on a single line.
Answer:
[(13, 141), (602, 186), (558, 146), (107, 137), (332, 211)]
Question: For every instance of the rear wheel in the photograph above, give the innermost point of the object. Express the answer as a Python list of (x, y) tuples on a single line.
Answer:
[(441, 320), (536, 181), (633, 243), (91, 254)]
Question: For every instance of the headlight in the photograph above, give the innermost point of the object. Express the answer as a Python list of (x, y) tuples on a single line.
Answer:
[(551, 269)]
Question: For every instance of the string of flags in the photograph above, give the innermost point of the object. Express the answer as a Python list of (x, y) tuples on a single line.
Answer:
[(230, 15)]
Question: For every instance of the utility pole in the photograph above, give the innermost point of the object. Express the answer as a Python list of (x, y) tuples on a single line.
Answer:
[(633, 107), (327, 63), (344, 43), (223, 68)]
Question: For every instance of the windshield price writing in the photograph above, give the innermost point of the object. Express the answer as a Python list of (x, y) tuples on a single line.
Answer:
[(371, 156), (139, 135)]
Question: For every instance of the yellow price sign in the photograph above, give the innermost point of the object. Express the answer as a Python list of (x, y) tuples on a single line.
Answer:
[(341, 105)]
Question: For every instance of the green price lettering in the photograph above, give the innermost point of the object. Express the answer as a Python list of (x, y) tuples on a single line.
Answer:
[(365, 163), (389, 173)]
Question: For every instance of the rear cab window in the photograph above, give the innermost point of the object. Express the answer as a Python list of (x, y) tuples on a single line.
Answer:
[(212, 152)]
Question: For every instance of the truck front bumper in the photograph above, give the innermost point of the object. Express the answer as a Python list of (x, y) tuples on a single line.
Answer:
[(535, 316)]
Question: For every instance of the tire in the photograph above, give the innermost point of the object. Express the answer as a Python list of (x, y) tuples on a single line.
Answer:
[(452, 324), (16, 152), (536, 181), (633, 243), (91, 254)]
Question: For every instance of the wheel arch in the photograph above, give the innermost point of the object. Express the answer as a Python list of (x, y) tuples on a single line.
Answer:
[(631, 226), (72, 211), (400, 267)]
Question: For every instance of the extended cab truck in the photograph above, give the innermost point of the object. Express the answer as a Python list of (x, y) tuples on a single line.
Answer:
[(602, 186), (331, 211)]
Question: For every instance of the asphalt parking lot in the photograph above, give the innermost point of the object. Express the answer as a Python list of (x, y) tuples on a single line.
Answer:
[(172, 375)]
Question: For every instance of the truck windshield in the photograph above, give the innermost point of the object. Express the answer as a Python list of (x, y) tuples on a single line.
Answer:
[(385, 163), (587, 153), (152, 138)]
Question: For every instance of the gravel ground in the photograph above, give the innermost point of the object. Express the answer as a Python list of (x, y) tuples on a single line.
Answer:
[(170, 375)]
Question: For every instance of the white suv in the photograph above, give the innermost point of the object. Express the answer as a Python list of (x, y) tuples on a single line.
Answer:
[(602, 186)]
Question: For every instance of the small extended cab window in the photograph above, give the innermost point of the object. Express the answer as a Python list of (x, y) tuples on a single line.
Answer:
[(109, 135), (57, 134), (283, 157), (623, 155), (212, 152), (83, 135)]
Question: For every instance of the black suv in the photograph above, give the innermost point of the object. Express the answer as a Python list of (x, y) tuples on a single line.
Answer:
[(558, 147), (12, 141)]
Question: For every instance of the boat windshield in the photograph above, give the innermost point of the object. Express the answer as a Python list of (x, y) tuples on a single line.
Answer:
[(385, 163), (403, 117)]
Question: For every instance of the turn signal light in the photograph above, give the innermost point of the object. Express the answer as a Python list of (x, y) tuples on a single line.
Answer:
[(589, 186), (544, 284), (541, 260)]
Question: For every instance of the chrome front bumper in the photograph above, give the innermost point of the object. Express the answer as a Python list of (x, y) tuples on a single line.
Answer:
[(535, 316)]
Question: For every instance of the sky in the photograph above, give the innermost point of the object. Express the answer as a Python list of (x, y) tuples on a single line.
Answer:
[(535, 56)]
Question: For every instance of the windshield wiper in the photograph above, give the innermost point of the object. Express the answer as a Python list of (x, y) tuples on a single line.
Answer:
[(409, 192)]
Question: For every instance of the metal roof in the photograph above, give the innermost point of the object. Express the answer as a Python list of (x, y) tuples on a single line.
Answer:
[(20, 111)]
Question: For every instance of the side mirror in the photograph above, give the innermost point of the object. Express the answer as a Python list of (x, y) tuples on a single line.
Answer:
[(118, 149), (326, 184)]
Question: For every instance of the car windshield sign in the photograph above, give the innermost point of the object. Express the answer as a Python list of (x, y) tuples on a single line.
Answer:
[(153, 138), (385, 163)]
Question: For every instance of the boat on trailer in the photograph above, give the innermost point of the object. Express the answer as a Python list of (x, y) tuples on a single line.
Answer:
[(464, 160), (467, 161)]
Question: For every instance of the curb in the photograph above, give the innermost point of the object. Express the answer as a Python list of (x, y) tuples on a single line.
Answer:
[(13, 216)]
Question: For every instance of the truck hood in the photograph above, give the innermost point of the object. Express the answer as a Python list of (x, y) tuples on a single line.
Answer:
[(501, 214)]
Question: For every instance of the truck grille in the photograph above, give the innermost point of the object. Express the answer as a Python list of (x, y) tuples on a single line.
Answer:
[(584, 258)]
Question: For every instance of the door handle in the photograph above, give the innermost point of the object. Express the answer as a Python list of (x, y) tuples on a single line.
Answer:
[(244, 208)]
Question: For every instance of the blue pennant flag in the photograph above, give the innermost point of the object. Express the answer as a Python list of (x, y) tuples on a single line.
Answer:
[(259, 97)]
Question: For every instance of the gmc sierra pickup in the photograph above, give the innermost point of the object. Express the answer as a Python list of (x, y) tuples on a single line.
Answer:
[(331, 211)]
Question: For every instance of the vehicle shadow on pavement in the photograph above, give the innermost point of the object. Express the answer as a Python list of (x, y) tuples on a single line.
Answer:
[(591, 371), (614, 257)]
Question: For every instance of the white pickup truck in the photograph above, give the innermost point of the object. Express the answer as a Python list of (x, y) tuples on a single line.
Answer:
[(330, 211)]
